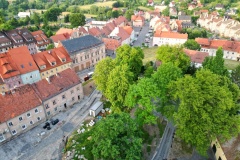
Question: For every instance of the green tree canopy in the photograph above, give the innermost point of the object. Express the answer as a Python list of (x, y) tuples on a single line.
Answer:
[(128, 14), (141, 96), (207, 109), (192, 44), (216, 64), (101, 73), (235, 75), (52, 14), (116, 137), (132, 56), (50, 46), (115, 14), (166, 12), (36, 19), (175, 55), (77, 19), (119, 80)]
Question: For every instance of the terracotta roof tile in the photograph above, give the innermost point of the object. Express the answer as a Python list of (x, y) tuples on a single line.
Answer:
[(58, 37), (64, 31), (196, 56), (95, 31), (15, 104), (40, 37), (111, 44), (25, 64), (47, 57), (123, 34), (5, 70), (171, 35), (120, 20), (128, 29), (65, 80)]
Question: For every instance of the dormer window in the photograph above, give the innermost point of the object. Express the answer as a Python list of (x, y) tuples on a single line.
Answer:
[(63, 59), (53, 63)]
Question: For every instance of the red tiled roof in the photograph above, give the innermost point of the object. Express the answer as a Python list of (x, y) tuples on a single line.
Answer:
[(7, 67), (106, 31), (202, 41), (13, 105), (133, 17), (171, 35), (128, 29), (202, 11), (111, 25), (58, 37), (65, 80), (82, 30), (40, 37), (55, 55), (111, 44), (25, 64), (120, 20), (64, 31), (196, 56), (123, 34), (95, 31)]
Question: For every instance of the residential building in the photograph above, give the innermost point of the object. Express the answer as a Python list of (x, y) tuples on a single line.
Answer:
[(122, 33), (112, 43), (169, 38), (84, 51), (10, 76), (187, 25), (121, 21), (41, 40), (52, 61), (66, 32), (172, 4), (5, 43), (191, 6), (160, 7), (28, 39), (59, 92), (131, 32), (24, 14), (150, 3), (21, 109), (185, 18), (231, 49), (219, 7), (196, 57), (173, 11), (17, 40), (26, 66), (57, 38), (137, 20)]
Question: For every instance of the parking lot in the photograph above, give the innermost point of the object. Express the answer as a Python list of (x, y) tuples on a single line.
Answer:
[(142, 32)]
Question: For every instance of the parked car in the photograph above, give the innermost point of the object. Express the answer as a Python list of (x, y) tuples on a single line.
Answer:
[(47, 124), (55, 121), (48, 127)]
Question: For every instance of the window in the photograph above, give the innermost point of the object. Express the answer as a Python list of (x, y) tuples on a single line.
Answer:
[(31, 122), (78, 89), (54, 102), (53, 63), (24, 127), (28, 115), (10, 124), (48, 113), (63, 96), (36, 110), (22, 66), (46, 106), (55, 109), (30, 76), (20, 118), (14, 132), (73, 98), (63, 59), (42, 74), (1, 137), (72, 91), (38, 118)]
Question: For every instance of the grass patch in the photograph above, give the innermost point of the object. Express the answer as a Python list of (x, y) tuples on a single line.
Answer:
[(98, 4), (231, 64), (149, 54), (145, 8), (86, 82), (90, 15)]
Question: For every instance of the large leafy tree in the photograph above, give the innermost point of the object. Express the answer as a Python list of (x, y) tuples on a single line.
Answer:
[(142, 96), (192, 44), (119, 80), (216, 64), (116, 137), (235, 75), (101, 73), (207, 109), (77, 19), (132, 56), (36, 19), (175, 55), (165, 74), (128, 14), (52, 14)]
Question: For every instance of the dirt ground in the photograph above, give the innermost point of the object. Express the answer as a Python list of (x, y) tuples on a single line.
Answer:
[(87, 90)]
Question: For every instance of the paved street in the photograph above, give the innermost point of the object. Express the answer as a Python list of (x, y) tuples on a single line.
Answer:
[(30, 146), (162, 150), (142, 34)]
